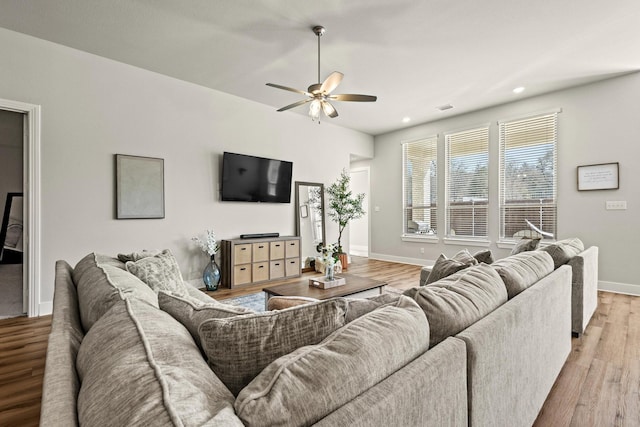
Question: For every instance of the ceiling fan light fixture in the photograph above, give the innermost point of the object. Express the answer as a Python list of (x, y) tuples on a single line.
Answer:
[(314, 110)]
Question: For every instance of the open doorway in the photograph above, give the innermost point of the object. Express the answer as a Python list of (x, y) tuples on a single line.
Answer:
[(359, 228), (13, 286)]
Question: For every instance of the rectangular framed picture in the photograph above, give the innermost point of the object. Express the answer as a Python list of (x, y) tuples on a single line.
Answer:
[(304, 211), (139, 187), (603, 176)]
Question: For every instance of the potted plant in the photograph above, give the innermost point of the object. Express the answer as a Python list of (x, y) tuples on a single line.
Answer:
[(343, 207)]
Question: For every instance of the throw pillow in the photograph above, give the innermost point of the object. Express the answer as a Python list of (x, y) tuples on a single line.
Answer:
[(301, 388), (192, 312), (522, 270), (137, 256), (357, 307), (445, 267), (525, 244), (460, 300), (563, 250), (239, 348), (484, 256), (280, 303), (160, 272)]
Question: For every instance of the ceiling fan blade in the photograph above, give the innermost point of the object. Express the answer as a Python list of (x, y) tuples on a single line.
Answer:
[(295, 104), (331, 82), (329, 110), (354, 97), (290, 89)]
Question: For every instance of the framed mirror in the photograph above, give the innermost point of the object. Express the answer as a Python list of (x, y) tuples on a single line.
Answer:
[(309, 205), (11, 230)]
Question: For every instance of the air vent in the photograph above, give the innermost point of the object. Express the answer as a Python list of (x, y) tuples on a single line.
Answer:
[(444, 107)]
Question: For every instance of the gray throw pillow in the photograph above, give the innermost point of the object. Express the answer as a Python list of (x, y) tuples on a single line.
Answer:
[(239, 348), (160, 272), (137, 256), (525, 244), (484, 256), (357, 307), (445, 267), (563, 250), (192, 312)]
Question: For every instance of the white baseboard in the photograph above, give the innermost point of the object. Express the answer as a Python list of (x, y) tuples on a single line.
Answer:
[(45, 308), (357, 250), (402, 260), (619, 288)]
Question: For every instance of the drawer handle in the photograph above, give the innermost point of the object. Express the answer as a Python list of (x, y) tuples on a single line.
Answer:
[(277, 246), (243, 269), (292, 244), (277, 264), (243, 249), (292, 262), (260, 247), (261, 266)]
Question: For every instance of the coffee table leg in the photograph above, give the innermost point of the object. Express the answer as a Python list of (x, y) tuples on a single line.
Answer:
[(266, 301)]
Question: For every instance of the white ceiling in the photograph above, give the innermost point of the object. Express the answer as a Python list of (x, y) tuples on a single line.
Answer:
[(414, 55)]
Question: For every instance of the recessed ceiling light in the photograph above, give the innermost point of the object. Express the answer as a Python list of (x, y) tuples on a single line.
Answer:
[(406, 119), (519, 89)]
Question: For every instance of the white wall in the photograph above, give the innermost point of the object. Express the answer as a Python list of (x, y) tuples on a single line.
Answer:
[(598, 124), (358, 229), (93, 108)]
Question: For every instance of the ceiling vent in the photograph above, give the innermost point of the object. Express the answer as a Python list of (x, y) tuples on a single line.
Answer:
[(444, 107)]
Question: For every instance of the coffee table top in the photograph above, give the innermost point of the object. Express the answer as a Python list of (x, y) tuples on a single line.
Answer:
[(354, 284)]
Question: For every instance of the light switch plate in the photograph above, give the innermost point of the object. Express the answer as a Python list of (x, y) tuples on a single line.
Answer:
[(616, 205)]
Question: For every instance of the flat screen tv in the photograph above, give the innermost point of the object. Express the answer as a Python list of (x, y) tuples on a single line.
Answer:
[(255, 179)]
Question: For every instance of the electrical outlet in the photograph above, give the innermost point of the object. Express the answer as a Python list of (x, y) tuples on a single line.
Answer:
[(421, 250), (616, 205)]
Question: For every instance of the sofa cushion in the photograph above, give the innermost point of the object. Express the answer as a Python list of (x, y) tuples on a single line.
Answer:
[(456, 302), (563, 250), (138, 366), (445, 267), (239, 347), (160, 272), (525, 244), (192, 312), (101, 285), (302, 387), (523, 270)]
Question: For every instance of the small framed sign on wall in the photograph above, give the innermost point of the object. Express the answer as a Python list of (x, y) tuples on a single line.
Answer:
[(603, 176), (139, 187)]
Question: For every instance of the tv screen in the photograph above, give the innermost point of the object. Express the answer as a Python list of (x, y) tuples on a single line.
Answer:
[(255, 179)]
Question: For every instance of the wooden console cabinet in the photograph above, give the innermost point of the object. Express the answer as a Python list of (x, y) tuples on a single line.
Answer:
[(249, 261)]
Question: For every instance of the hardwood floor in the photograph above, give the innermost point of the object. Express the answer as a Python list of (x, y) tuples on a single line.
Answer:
[(598, 386)]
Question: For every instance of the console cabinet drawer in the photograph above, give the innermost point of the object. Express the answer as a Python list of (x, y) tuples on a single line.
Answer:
[(249, 261), (241, 254)]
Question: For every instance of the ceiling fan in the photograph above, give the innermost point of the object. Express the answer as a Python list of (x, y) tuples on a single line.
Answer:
[(319, 94)]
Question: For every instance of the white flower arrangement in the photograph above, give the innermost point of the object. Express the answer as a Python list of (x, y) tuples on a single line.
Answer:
[(210, 244)]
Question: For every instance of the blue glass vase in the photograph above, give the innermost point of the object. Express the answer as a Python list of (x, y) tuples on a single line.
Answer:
[(211, 275)]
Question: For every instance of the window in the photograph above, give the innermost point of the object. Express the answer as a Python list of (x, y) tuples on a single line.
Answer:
[(528, 178), (419, 164), (467, 183)]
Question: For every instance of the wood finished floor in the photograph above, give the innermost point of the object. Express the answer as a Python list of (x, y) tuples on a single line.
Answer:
[(598, 386)]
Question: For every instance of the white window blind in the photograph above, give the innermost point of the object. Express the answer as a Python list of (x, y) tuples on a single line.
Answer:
[(467, 183), (528, 178), (419, 164)]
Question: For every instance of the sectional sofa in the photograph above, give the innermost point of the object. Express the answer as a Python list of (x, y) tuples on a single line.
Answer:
[(482, 347)]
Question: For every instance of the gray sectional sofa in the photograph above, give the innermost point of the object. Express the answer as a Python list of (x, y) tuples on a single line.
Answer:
[(455, 353)]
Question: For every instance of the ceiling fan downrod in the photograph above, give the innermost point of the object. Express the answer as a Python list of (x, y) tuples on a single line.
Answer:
[(319, 31)]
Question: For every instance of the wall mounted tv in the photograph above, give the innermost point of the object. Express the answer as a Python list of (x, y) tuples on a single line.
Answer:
[(255, 179)]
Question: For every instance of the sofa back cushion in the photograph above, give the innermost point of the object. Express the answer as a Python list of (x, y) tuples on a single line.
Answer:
[(100, 285), (192, 312), (138, 366), (239, 347), (456, 302), (523, 270), (304, 386), (525, 244), (563, 250)]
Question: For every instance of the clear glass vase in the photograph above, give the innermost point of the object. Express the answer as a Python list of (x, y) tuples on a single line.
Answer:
[(328, 269), (211, 275)]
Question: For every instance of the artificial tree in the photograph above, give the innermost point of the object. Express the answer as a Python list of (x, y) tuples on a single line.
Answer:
[(343, 206)]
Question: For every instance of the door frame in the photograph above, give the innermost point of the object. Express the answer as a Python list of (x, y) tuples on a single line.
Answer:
[(31, 189)]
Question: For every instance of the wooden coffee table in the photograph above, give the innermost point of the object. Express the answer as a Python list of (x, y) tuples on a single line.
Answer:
[(356, 287)]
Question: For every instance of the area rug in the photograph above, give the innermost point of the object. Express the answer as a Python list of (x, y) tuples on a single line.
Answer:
[(254, 302)]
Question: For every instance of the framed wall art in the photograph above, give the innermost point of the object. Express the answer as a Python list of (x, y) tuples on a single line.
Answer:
[(139, 187), (603, 176)]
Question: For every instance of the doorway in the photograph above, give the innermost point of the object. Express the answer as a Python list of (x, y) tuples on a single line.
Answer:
[(13, 286), (359, 228)]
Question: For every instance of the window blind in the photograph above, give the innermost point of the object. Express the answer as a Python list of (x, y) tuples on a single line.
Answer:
[(467, 182), (420, 172), (528, 176)]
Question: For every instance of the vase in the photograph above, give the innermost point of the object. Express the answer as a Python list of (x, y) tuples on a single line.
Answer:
[(328, 269), (211, 275), (344, 260)]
